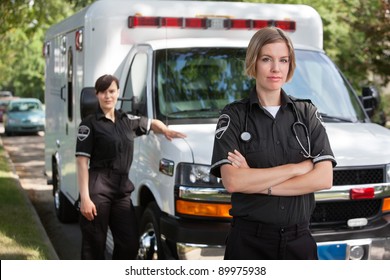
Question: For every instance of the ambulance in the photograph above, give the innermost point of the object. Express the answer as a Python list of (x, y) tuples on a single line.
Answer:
[(182, 62)]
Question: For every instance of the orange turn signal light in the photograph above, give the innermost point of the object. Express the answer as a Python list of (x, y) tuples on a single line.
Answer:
[(386, 205), (203, 209)]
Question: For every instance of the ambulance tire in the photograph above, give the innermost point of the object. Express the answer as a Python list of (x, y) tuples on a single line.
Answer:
[(65, 211), (149, 240)]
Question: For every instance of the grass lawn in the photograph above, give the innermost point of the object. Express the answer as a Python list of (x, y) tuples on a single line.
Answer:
[(21, 237)]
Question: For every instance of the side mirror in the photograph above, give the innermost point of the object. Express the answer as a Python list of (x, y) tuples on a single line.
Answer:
[(135, 105), (370, 99), (88, 102)]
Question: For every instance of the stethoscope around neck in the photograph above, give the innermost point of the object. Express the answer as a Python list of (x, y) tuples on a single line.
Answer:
[(246, 136)]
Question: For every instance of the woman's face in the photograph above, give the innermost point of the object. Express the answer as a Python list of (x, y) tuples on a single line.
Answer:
[(272, 67), (107, 99)]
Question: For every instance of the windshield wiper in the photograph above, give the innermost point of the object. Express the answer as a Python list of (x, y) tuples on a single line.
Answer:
[(335, 118), (194, 111)]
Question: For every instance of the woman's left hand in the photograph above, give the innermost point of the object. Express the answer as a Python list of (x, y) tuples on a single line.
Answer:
[(237, 159)]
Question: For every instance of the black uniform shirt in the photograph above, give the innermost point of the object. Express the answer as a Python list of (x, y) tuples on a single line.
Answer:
[(272, 143), (110, 145)]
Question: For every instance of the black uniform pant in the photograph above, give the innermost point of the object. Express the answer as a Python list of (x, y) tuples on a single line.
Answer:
[(111, 195), (249, 240)]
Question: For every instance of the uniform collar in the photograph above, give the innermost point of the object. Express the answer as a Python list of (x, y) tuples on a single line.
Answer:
[(253, 99), (118, 114)]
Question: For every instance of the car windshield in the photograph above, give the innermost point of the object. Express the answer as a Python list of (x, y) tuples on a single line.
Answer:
[(24, 106), (210, 78)]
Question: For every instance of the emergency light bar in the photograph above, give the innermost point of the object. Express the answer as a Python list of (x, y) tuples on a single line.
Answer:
[(208, 23)]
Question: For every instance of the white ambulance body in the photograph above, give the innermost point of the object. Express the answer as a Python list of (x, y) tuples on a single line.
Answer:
[(182, 62)]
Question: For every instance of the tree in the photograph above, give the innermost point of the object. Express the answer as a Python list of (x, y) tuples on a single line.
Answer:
[(356, 37), (371, 19), (22, 27)]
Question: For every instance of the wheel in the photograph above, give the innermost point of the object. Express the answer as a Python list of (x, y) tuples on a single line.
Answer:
[(65, 211), (150, 242)]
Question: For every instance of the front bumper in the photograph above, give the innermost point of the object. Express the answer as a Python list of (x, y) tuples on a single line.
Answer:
[(24, 128), (367, 243), (205, 240), (355, 249), (195, 239)]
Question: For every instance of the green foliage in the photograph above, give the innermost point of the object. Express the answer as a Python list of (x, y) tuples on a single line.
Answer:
[(22, 27), (356, 37)]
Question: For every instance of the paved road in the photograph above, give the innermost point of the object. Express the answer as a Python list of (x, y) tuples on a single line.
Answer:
[(27, 154)]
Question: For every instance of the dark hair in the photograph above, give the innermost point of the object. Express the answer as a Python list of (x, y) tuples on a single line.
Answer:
[(104, 82), (267, 35)]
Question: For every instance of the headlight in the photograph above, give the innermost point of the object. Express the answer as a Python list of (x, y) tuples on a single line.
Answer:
[(195, 175), (34, 119), (388, 173), (13, 121), (199, 193)]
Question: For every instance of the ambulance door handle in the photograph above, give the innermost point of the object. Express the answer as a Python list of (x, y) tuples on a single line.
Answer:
[(62, 93)]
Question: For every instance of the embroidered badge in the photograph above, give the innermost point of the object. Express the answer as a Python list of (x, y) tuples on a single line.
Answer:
[(132, 117), (83, 132), (223, 124)]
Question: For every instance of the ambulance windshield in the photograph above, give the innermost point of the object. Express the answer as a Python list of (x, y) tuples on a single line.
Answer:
[(198, 83), (317, 78)]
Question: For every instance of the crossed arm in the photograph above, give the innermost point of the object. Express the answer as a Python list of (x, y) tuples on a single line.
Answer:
[(286, 180)]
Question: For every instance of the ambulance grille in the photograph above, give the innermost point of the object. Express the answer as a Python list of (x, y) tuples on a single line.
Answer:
[(339, 212), (358, 176)]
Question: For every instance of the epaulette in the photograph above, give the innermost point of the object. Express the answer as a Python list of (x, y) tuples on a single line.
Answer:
[(294, 99), (238, 101), (241, 101)]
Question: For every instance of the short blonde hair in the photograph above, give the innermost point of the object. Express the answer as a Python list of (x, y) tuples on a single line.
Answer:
[(265, 36)]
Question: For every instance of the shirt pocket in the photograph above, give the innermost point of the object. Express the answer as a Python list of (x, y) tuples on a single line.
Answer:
[(256, 153), (295, 151)]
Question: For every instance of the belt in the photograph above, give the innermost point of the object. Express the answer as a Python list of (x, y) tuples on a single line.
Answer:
[(256, 228), (109, 172)]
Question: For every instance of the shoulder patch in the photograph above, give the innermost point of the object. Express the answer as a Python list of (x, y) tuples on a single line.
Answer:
[(132, 117), (222, 125), (83, 132)]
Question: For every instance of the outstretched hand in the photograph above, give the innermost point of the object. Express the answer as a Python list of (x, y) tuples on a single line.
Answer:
[(237, 159), (170, 134), (159, 127)]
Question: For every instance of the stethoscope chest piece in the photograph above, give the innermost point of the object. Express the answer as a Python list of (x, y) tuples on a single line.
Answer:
[(246, 136)]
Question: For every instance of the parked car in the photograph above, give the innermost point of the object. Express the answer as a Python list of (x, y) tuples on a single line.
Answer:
[(5, 93), (3, 105), (24, 115)]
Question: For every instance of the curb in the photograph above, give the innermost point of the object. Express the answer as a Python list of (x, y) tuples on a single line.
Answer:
[(52, 253)]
